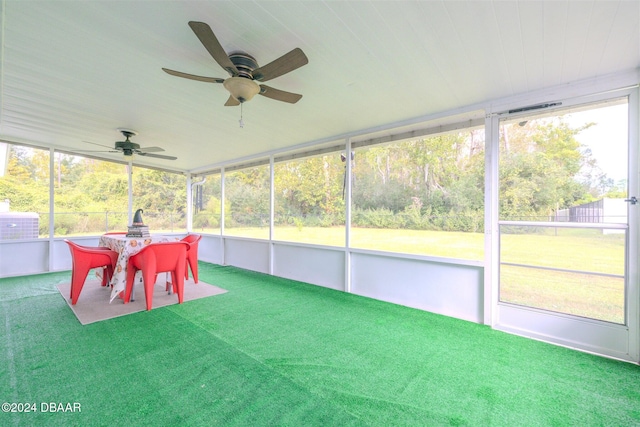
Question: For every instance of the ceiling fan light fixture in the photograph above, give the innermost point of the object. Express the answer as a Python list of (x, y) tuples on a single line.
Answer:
[(241, 88)]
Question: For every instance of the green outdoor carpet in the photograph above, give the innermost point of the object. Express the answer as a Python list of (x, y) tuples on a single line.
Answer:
[(275, 352)]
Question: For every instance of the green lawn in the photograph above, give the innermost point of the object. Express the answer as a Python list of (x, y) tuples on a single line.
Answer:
[(575, 292), (434, 243), (569, 250), (585, 295), (587, 251), (582, 250)]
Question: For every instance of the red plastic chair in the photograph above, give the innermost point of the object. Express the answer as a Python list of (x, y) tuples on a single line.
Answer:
[(157, 258), (192, 256), (84, 259)]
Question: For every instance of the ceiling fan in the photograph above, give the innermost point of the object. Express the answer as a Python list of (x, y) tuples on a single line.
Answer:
[(129, 148), (244, 70)]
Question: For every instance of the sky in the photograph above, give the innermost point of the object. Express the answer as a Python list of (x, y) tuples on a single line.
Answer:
[(608, 139)]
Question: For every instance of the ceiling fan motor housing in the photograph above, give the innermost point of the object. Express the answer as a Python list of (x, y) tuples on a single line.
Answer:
[(245, 64), (126, 145), (242, 87)]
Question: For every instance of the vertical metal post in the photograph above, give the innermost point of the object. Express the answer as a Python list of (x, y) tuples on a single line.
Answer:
[(272, 192), (491, 230), (130, 180), (222, 201), (189, 203), (52, 212), (347, 228), (633, 232)]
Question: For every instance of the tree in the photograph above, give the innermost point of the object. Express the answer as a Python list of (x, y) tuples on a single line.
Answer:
[(310, 187), (540, 167), (26, 183), (159, 191)]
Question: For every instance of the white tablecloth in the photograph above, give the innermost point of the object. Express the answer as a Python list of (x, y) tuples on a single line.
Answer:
[(127, 246)]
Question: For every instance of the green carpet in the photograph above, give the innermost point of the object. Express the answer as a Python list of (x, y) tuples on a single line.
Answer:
[(275, 352)]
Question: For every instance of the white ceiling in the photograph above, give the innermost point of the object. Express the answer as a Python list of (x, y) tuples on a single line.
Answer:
[(75, 71)]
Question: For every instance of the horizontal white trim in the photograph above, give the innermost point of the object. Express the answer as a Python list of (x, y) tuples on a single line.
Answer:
[(563, 270), (428, 258), (402, 255), (435, 129), (419, 133), (588, 87), (66, 151), (602, 225)]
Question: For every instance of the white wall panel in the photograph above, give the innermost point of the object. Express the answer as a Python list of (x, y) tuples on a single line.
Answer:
[(318, 266), (450, 289), (211, 249), (61, 255), (23, 258), (248, 254), (585, 334)]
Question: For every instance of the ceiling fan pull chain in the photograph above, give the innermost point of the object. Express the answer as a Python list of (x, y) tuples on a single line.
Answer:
[(241, 121)]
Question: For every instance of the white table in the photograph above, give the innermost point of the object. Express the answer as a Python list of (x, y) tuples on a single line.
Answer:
[(127, 246)]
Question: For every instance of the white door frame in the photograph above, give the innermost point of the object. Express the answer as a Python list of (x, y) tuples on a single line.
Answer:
[(607, 339)]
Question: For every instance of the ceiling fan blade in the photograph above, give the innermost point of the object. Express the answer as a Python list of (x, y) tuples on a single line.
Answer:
[(213, 46), (286, 63), (279, 95), (193, 77), (231, 102), (96, 151), (100, 145), (158, 156), (151, 149)]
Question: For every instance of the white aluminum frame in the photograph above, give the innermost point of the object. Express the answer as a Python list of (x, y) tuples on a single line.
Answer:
[(604, 338), (455, 288)]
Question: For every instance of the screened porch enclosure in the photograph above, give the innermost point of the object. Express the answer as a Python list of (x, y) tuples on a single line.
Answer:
[(462, 217)]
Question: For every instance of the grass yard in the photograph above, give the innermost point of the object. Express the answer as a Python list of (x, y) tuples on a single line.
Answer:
[(583, 250), (585, 295), (597, 296), (587, 251), (422, 242)]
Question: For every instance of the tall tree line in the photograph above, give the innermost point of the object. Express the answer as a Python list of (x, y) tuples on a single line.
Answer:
[(434, 182), (85, 186)]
